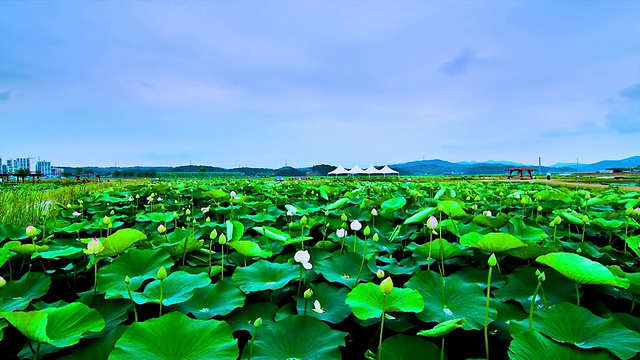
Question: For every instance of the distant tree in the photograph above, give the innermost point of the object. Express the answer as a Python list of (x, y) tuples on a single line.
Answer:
[(127, 173), (289, 171), (202, 169), (66, 173), (79, 170), (117, 173), (323, 168), (89, 171)]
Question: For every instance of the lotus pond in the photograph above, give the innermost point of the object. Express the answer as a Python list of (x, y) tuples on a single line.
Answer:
[(325, 269)]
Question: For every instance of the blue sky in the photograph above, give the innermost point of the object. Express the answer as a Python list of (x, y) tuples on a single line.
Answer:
[(241, 83)]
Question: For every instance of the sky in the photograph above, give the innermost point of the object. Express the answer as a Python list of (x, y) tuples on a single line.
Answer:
[(261, 83)]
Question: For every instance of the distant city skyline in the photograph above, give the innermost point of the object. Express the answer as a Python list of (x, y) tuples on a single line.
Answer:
[(252, 83)]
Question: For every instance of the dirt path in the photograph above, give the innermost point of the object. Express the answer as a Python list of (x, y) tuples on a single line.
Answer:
[(585, 185)]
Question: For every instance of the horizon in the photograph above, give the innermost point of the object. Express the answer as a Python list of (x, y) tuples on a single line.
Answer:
[(255, 84)]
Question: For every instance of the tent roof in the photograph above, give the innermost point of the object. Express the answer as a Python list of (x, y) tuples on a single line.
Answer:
[(356, 170), (338, 171), (387, 170), (372, 170)]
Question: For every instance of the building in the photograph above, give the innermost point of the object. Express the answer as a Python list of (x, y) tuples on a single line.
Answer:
[(43, 167)]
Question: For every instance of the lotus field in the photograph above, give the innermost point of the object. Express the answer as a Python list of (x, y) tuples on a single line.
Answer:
[(325, 269)]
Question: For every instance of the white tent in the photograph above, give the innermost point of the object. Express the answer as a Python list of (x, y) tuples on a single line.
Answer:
[(338, 171), (387, 170), (356, 170), (372, 171)]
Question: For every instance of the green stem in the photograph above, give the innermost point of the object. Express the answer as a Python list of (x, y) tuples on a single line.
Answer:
[(442, 256), (544, 298), (306, 303), (533, 302), (584, 226), (135, 312), (486, 314), (364, 253), (37, 351), (95, 276), (355, 238), (300, 282), (302, 237), (161, 283), (384, 304), (222, 271), (577, 294), (253, 336), (442, 349), (210, 249), (430, 248), (633, 304)]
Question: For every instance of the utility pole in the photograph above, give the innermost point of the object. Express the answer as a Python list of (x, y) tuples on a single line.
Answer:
[(539, 165)]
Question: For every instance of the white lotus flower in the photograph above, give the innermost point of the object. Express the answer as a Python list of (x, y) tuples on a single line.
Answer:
[(487, 213), (76, 214), (341, 233), (432, 223), (356, 225), (317, 307), (205, 210), (232, 194), (302, 256)]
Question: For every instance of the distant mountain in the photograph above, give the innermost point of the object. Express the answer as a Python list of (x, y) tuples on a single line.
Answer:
[(630, 162), (510, 163), (441, 167)]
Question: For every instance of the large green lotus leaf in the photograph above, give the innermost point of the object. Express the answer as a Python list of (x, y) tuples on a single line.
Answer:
[(97, 349), (458, 300), (235, 230), (264, 275), (498, 242), (178, 287), (5, 255), (342, 269), (61, 327), (28, 249), (139, 265), (366, 301), (568, 323), (608, 225), (571, 218), (297, 337), (332, 301), (551, 195), (449, 250), (75, 227), (272, 233), (16, 295), (421, 216), (524, 232), (494, 222), (68, 323), (175, 336), (12, 232), (443, 328), (3, 324), (393, 204), (192, 245), (405, 347), (531, 251), (337, 204), (242, 319), (470, 239), (452, 208), (156, 217), (116, 243), (581, 269), (114, 312), (61, 252), (249, 249), (530, 346), (523, 281), (634, 244), (212, 300)]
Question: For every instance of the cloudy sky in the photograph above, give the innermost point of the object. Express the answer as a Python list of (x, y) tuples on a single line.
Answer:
[(243, 83)]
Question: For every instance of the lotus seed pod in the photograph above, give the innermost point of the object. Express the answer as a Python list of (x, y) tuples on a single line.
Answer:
[(386, 286), (432, 223), (161, 229), (308, 293), (304, 221), (223, 239), (492, 260), (31, 231), (374, 212), (366, 231), (380, 273), (127, 280), (3, 282), (162, 273), (343, 217), (376, 237), (213, 234), (258, 322)]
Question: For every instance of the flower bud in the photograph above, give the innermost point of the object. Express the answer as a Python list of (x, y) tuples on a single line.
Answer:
[(585, 219), (629, 210), (112, 212), (162, 273), (588, 196), (223, 239), (343, 217), (308, 293), (94, 246), (539, 208), (304, 221), (208, 219), (3, 282), (366, 231), (326, 213), (31, 231), (258, 322), (477, 198), (637, 211), (380, 273), (175, 215), (432, 223), (557, 220), (492, 260), (386, 286), (542, 277), (375, 237), (161, 229), (374, 212), (188, 212), (232, 194), (213, 234), (127, 280)]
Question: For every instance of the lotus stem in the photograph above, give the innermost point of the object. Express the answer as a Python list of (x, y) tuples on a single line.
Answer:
[(430, 248), (161, 283), (302, 236), (253, 336), (355, 238), (544, 298), (384, 304), (135, 311), (577, 295), (486, 314), (36, 355), (95, 276), (584, 227), (442, 256), (300, 282), (210, 250), (364, 254), (222, 272), (633, 303), (533, 302), (442, 349)]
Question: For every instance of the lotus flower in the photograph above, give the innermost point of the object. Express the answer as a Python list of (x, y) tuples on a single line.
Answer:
[(432, 223), (356, 225), (303, 257), (3, 282), (76, 214), (317, 308), (130, 198), (341, 233), (232, 194), (205, 210), (161, 229), (94, 247), (487, 213), (31, 231)]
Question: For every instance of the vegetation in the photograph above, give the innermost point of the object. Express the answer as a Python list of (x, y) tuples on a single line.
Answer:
[(325, 269)]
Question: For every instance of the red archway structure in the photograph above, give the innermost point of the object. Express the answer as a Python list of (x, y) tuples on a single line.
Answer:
[(520, 170)]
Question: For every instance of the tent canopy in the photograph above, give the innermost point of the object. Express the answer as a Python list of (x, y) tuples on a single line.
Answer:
[(371, 170), (387, 170), (356, 170), (338, 171)]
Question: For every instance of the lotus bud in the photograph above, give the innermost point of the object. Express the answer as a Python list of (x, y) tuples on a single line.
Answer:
[(3, 282), (308, 293), (366, 231), (208, 219), (161, 229), (127, 280), (492, 260), (106, 220), (579, 250), (523, 201), (539, 208), (356, 225), (374, 212), (341, 233), (468, 198), (304, 221), (386, 286), (213, 234), (477, 198), (68, 205), (137, 196), (80, 202), (326, 213), (542, 277), (258, 322), (637, 211), (629, 210), (475, 207), (585, 219), (112, 212), (552, 224), (110, 225), (188, 212), (432, 223), (343, 217), (375, 237), (557, 220), (232, 194), (31, 231), (588, 196), (94, 246), (380, 273), (223, 239), (175, 215), (162, 273)]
